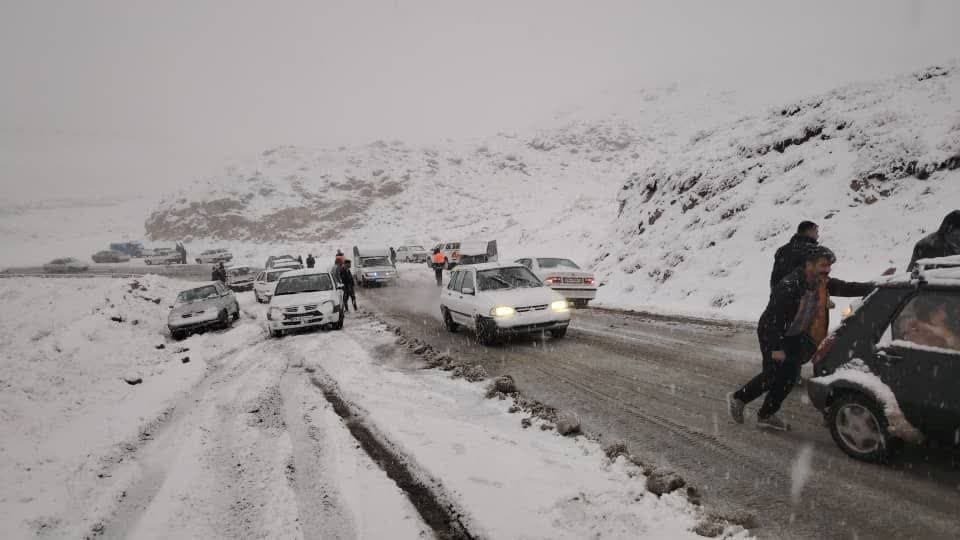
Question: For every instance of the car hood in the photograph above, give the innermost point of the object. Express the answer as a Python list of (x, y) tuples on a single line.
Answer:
[(193, 307), (290, 300), (521, 297)]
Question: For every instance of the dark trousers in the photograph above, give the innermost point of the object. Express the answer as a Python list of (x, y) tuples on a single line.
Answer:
[(438, 272), (349, 294), (777, 378)]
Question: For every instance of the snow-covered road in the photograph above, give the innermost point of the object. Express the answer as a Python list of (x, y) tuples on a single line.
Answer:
[(317, 435)]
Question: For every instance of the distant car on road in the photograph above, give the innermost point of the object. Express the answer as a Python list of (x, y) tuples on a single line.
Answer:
[(479, 251), (214, 256), (133, 249), (266, 282), (501, 299), (564, 276), (373, 266), (162, 256), (277, 260), (65, 265), (889, 373), (109, 256), (240, 278), (304, 299), (199, 308), (412, 254)]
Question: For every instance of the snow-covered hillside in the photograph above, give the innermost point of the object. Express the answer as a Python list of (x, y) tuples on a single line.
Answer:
[(875, 165)]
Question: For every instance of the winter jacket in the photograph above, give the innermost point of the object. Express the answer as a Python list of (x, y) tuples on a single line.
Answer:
[(785, 302), (789, 257), (311, 261), (346, 277), (943, 243)]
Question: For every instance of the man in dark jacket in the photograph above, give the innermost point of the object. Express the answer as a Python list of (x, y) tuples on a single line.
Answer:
[(219, 274), (943, 243), (349, 292), (790, 255), (310, 260), (790, 330)]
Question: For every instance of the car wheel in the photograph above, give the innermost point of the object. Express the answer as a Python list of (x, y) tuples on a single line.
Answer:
[(448, 323), (559, 333), (223, 319), (339, 324), (859, 427), (486, 332), (276, 333), (178, 335)]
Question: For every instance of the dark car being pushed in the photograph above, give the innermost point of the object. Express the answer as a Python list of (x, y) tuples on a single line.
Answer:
[(890, 372)]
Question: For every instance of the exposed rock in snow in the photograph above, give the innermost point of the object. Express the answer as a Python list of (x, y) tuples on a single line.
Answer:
[(661, 482), (568, 423)]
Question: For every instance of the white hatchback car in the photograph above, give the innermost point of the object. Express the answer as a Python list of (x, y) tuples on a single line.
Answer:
[(266, 282), (565, 277), (499, 299), (304, 299)]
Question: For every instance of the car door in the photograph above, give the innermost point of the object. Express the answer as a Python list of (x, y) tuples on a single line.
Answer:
[(451, 296), (468, 298), (922, 362)]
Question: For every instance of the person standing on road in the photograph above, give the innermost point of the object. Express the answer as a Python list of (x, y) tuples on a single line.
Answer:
[(349, 291), (790, 255), (943, 243), (219, 273), (310, 260), (791, 328), (439, 261), (338, 260)]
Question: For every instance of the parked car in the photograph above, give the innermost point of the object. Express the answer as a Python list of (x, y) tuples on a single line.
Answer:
[(200, 308), (65, 265), (305, 299), (266, 282), (453, 251), (240, 278), (109, 256), (133, 249), (889, 373), (214, 256), (564, 276), (412, 254), (501, 299), (275, 260), (372, 266), (163, 256)]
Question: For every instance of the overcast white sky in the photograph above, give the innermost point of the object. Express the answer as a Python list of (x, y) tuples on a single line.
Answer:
[(126, 96)]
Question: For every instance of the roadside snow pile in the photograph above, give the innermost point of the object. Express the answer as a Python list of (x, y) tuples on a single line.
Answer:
[(510, 482), (857, 372), (69, 349), (874, 164)]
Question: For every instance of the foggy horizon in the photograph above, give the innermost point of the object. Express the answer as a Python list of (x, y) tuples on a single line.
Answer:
[(107, 98)]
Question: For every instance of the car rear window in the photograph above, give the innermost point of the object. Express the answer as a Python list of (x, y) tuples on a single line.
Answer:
[(557, 263)]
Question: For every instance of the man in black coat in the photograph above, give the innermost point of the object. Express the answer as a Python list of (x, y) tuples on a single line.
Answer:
[(346, 279), (311, 262), (943, 243), (790, 330), (219, 274), (790, 255)]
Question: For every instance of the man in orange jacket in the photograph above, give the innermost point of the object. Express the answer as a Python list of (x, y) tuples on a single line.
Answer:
[(439, 261)]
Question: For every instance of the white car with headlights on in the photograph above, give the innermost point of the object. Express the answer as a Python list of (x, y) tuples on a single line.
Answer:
[(305, 299), (564, 276), (502, 299)]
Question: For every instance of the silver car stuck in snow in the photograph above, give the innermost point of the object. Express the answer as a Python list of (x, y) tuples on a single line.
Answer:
[(203, 307)]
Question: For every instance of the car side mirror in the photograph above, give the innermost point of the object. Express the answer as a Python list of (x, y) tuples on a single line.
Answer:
[(468, 290)]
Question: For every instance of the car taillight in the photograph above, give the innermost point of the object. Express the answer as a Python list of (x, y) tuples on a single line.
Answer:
[(588, 281), (552, 280), (824, 349)]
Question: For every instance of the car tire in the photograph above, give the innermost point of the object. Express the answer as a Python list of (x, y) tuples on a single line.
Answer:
[(339, 324), (859, 427), (448, 323), (224, 320), (276, 333), (559, 333), (178, 335), (486, 331)]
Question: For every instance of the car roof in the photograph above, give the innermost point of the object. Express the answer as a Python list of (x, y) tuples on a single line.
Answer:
[(305, 272), (371, 251), (492, 266)]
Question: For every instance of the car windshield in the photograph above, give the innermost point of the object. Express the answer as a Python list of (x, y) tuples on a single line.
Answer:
[(557, 263), (414, 248), (375, 261), (241, 271), (273, 276), (304, 284), (511, 277), (193, 295)]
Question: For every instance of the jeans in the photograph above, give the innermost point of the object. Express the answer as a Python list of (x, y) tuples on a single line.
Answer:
[(777, 378), (438, 272), (349, 294)]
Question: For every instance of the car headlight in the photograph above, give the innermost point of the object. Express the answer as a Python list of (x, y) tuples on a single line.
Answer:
[(560, 306), (273, 313), (503, 311)]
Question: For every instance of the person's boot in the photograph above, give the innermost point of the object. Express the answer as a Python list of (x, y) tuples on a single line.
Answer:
[(773, 422), (735, 407)]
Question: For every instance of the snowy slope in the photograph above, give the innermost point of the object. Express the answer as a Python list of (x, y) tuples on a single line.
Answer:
[(875, 165)]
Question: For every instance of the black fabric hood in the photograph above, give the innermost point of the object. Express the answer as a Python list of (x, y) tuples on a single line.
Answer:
[(950, 223)]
